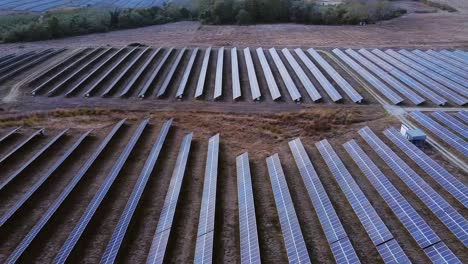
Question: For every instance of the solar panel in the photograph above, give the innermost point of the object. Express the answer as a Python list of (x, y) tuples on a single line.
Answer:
[(344, 252), (408, 216), (329, 220), (204, 244), (236, 89), (310, 88), (80, 227), (454, 56), (57, 66), (347, 88), (292, 234), (17, 63), (409, 81), (380, 86), (154, 74), (34, 232), (250, 251), (36, 155), (431, 84), (427, 71), (108, 72), (218, 90), (434, 67), (170, 74), (12, 210), (58, 87), (391, 252), (447, 59), (139, 73), (272, 86), (441, 63), (124, 72), (84, 78), (440, 253), (9, 134), (186, 76), (455, 222), (163, 229), (288, 82), (254, 88), (326, 85), (120, 230), (64, 70), (441, 132), (432, 168), (373, 224), (463, 115), (203, 71), (451, 122), (22, 144), (461, 54)]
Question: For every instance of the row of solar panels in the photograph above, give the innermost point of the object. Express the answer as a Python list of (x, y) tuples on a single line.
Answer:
[(380, 235), (437, 77), (337, 238), (13, 64), (44, 5), (455, 135), (106, 72)]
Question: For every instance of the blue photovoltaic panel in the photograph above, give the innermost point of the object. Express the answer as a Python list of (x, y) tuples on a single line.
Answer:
[(250, 251), (80, 227), (455, 222), (441, 132), (292, 234), (347, 88), (187, 72), (328, 218), (408, 216), (452, 84), (120, 230), (344, 252), (380, 86), (447, 59), (271, 82), (218, 90), (170, 74), (236, 88), (206, 221), (288, 82), (454, 56), (432, 168), (12, 210), (310, 88), (440, 253), (463, 115), (163, 229), (326, 85), (451, 122), (373, 224), (25, 165), (7, 135), (154, 74), (461, 53), (203, 71), (24, 244), (434, 67), (396, 84), (254, 88), (428, 82), (442, 64), (22, 144)]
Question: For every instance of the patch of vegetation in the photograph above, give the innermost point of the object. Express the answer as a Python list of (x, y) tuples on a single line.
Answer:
[(440, 6), (297, 11), (72, 22)]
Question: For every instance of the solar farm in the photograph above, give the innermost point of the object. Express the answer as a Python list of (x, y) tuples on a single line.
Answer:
[(45, 5), (228, 154)]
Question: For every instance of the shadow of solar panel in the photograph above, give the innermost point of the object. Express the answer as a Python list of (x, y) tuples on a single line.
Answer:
[(292, 234), (22, 144), (154, 74), (170, 74), (455, 222), (432, 168), (120, 230)]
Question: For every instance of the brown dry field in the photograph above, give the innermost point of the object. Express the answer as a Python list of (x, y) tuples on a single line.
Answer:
[(261, 129)]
